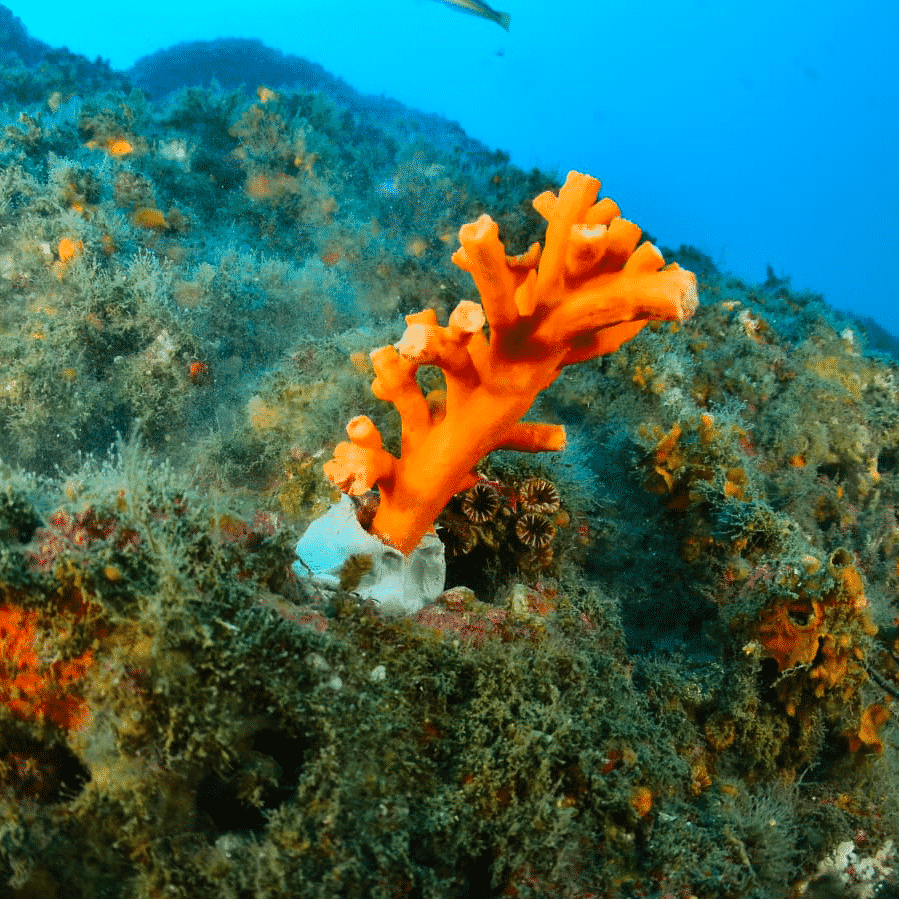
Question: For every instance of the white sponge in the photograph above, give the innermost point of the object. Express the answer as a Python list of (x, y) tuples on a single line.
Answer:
[(403, 583)]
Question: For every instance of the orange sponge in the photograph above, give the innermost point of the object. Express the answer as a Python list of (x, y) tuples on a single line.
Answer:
[(587, 291)]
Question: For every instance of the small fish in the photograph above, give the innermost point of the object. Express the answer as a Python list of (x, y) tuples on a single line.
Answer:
[(477, 8)]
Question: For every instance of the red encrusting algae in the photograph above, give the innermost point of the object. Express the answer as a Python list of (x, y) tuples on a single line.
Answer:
[(32, 687)]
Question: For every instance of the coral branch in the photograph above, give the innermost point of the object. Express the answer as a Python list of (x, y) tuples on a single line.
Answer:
[(357, 466), (590, 289)]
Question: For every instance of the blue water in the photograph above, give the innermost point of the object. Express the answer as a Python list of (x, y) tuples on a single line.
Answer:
[(761, 132)]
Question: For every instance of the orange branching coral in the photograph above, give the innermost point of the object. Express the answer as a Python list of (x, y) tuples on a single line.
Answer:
[(30, 688), (590, 289)]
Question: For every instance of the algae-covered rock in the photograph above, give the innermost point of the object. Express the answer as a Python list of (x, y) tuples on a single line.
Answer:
[(666, 662)]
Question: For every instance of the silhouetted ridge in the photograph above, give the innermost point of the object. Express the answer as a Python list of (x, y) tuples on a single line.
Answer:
[(231, 62), (14, 38), (244, 61)]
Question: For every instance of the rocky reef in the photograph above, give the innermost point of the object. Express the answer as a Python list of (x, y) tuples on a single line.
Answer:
[(667, 660)]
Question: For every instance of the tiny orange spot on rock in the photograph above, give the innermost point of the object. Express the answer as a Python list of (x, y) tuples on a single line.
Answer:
[(68, 248), (868, 737), (119, 147), (641, 801), (361, 362), (199, 372), (331, 257), (147, 217)]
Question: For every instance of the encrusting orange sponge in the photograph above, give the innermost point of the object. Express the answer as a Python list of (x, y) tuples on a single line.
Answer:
[(589, 290)]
